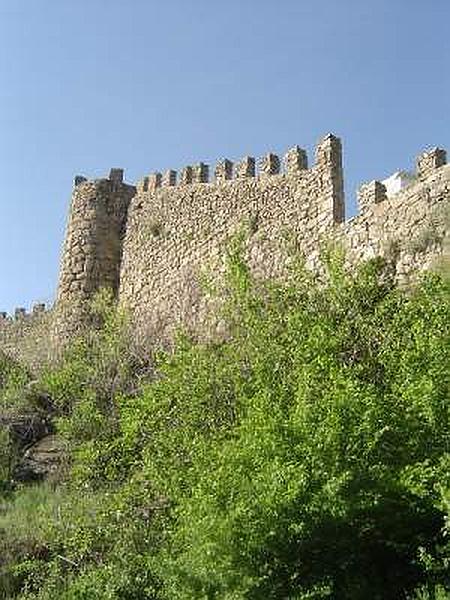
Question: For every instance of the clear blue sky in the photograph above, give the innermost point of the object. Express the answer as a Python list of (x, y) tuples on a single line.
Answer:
[(151, 84)]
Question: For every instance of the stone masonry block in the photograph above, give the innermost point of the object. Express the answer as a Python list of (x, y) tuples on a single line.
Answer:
[(269, 164), (186, 176), (169, 178), (295, 160), (154, 181), (371, 193), (430, 161), (246, 168), (224, 170), (328, 150), (200, 173)]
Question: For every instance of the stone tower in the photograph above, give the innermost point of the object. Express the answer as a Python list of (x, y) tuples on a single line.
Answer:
[(93, 247)]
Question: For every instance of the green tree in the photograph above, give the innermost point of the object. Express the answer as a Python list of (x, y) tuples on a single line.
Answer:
[(305, 455)]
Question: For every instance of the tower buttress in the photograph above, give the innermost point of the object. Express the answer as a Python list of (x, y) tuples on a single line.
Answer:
[(92, 249)]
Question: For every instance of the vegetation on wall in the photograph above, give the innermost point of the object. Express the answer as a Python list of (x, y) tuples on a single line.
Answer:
[(304, 456)]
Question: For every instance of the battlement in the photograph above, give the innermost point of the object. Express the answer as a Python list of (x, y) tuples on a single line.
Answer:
[(20, 313), (25, 335), (179, 223), (293, 163), (151, 242), (374, 192), (429, 161), (114, 181)]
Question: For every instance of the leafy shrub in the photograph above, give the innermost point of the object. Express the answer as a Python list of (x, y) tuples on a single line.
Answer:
[(96, 370), (304, 457), (326, 478), (13, 379)]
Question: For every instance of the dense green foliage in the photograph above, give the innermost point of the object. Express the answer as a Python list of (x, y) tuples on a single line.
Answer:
[(305, 456), (13, 379)]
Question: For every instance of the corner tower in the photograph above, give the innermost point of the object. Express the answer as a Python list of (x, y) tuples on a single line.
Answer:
[(92, 249)]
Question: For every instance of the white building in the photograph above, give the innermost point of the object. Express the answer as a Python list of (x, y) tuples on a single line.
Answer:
[(397, 181)]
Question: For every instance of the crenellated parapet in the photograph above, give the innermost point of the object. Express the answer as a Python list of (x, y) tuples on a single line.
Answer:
[(24, 335), (181, 224), (21, 314), (404, 217), (427, 164), (152, 243), (293, 162)]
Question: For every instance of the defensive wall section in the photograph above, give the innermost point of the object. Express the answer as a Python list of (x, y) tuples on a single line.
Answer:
[(178, 227), (177, 230), (152, 243), (26, 337)]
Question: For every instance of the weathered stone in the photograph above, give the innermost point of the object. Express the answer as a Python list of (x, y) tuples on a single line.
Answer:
[(151, 251), (371, 193), (295, 160), (41, 461), (224, 170), (169, 178), (269, 165), (186, 175), (246, 168), (429, 161), (200, 173)]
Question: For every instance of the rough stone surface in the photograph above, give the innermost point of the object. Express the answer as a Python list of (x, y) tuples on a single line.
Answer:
[(25, 428), (93, 246), (152, 243), (41, 461), (26, 336), (160, 273)]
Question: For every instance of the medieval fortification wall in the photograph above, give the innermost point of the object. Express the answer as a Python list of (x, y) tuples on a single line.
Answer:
[(151, 243)]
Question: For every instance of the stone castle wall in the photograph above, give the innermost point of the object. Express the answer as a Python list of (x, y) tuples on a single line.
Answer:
[(177, 231), (25, 336), (410, 226), (152, 243)]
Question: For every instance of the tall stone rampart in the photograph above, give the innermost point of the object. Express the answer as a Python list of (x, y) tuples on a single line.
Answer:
[(151, 244), (410, 226), (177, 229)]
